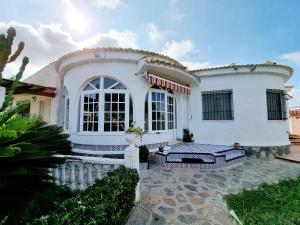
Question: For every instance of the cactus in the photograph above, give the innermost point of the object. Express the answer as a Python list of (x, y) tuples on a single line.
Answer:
[(6, 57)]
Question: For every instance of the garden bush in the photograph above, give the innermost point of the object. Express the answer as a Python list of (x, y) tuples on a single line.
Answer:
[(108, 201)]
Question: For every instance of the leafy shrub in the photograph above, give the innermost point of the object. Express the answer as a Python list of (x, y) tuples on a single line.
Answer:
[(108, 201), (144, 153)]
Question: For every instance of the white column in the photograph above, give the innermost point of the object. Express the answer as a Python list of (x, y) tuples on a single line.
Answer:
[(72, 176), (56, 175), (2, 95), (80, 177), (98, 172), (89, 174), (132, 161), (62, 174)]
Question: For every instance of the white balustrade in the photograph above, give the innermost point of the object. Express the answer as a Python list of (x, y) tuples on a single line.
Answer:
[(79, 172)]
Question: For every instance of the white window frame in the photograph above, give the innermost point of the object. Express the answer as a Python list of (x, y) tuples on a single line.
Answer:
[(167, 94), (101, 91)]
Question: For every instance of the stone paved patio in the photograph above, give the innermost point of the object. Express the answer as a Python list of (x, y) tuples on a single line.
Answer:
[(191, 196)]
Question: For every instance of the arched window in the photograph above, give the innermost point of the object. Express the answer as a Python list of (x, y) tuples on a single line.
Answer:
[(105, 107), (160, 110), (66, 110)]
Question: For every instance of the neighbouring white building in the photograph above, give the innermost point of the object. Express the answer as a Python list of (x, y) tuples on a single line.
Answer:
[(96, 94)]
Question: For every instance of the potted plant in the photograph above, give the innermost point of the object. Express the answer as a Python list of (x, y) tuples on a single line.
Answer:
[(133, 134), (187, 136), (144, 154), (236, 145)]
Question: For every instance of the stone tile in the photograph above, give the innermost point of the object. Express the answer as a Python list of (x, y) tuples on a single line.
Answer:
[(165, 210), (190, 187), (187, 219), (197, 201), (180, 198), (186, 208), (170, 201), (169, 192)]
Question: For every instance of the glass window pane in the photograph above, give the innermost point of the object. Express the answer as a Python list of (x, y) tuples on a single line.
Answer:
[(122, 107), (153, 96), (119, 86), (121, 97), (158, 126), (106, 126), (115, 107), (114, 126), (108, 82), (153, 125), (121, 116), (114, 117), (96, 83), (107, 117), (114, 97), (107, 107), (88, 88), (121, 126), (107, 97), (154, 116)]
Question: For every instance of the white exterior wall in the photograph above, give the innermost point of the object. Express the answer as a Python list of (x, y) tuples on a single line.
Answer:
[(76, 79), (250, 126)]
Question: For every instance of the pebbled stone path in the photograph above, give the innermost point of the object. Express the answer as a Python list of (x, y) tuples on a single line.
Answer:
[(191, 196)]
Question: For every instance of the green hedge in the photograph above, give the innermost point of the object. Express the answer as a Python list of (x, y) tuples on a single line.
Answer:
[(108, 201), (270, 204)]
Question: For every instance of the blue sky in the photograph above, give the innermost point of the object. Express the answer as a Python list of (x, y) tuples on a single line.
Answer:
[(199, 33)]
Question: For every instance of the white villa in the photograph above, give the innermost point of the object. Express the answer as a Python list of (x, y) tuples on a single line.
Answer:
[(96, 94)]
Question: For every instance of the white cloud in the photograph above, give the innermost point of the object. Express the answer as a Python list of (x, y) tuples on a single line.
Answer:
[(109, 4), (177, 18), (47, 42), (155, 34), (191, 65), (293, 57), (113, 38), (296, 97), (75, 18), (177, 50)]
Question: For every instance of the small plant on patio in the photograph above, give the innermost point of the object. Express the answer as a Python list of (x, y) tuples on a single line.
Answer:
[(187, 136), (144, 154)]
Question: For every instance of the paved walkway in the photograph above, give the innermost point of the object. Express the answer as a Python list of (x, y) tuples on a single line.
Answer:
[(191, 196)]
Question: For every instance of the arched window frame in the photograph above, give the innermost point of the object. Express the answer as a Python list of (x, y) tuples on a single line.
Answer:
[(102, 100), (167, 125)]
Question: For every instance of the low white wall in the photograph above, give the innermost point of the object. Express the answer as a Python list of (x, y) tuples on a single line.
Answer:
[(250, 126)]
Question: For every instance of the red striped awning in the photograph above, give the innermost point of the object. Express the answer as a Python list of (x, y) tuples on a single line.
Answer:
[(171, 85)]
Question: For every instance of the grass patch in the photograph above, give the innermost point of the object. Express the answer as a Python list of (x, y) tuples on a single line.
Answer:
[(274, 204)]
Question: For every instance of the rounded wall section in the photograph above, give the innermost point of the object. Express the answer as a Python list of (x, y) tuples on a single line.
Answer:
[(75, 80), (250, 126)]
